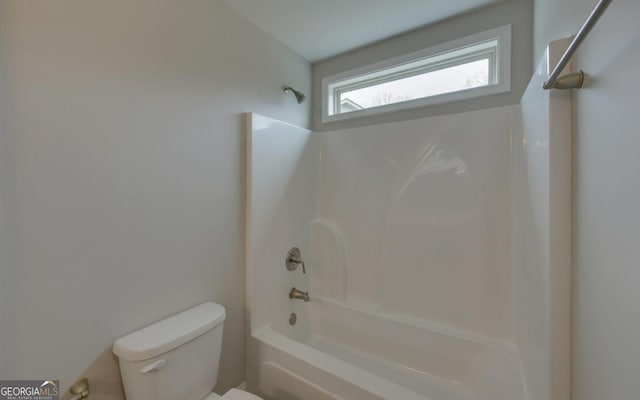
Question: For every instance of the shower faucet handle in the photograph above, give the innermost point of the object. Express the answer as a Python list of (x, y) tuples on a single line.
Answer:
[(294, 258)]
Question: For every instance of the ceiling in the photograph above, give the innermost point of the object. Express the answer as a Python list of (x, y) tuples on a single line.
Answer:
[(317, 29)]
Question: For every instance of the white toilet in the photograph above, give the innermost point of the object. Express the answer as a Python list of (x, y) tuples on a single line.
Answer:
[(176, 358)]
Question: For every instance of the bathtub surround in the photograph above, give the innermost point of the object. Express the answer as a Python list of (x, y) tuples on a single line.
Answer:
[(440, 255), (518, 13), (281, 163), (541, 234), (427, 230), (606, 299), (280, 202), (126, 173)]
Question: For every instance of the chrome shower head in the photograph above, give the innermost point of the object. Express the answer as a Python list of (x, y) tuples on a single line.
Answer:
[(300, 97)]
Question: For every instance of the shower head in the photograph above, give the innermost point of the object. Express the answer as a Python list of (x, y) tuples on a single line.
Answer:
[(300, 97)]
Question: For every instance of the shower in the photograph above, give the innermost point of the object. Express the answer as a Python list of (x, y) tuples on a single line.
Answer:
[(300, 97)]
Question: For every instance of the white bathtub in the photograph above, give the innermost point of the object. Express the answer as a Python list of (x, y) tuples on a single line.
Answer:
[(339, 351)]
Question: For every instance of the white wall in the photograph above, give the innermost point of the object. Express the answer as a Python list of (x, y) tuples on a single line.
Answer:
[(125, 129), (6, 293), (518, 13), (606, 291), (424, 209)]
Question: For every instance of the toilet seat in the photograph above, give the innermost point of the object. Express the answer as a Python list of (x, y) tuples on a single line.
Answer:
[(237, 394), (233, 394)]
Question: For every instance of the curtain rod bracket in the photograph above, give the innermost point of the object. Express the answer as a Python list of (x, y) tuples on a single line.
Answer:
[(568, 81), (575, 81)]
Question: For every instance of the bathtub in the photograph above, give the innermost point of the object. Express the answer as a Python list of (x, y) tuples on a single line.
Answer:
[(338, 350)]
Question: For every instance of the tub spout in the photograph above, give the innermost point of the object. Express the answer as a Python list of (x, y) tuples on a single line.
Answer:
[(298, 294)]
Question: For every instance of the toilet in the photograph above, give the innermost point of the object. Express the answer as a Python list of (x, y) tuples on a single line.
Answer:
[(176, 358)]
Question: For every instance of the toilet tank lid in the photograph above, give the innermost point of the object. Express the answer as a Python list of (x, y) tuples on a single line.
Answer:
[(166, 335)]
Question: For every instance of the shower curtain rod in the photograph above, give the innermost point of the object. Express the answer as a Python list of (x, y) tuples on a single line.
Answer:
[(576, 79)]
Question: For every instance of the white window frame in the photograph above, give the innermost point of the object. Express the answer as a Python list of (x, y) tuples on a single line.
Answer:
[(400, 67)]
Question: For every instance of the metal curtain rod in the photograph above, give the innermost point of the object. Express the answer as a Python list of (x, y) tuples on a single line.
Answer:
[(575, 80)]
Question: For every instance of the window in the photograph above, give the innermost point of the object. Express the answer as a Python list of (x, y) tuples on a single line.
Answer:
[(477, 65)]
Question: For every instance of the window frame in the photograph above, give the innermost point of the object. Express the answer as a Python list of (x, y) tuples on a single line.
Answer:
[(396, 68)]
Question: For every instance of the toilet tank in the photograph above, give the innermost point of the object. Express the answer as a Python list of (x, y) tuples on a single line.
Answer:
[(174, 359)]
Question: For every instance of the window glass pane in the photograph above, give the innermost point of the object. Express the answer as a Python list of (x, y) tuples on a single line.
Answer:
[(447, 80)]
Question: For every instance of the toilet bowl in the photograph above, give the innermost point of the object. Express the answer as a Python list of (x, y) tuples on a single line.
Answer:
[(177, 358)]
